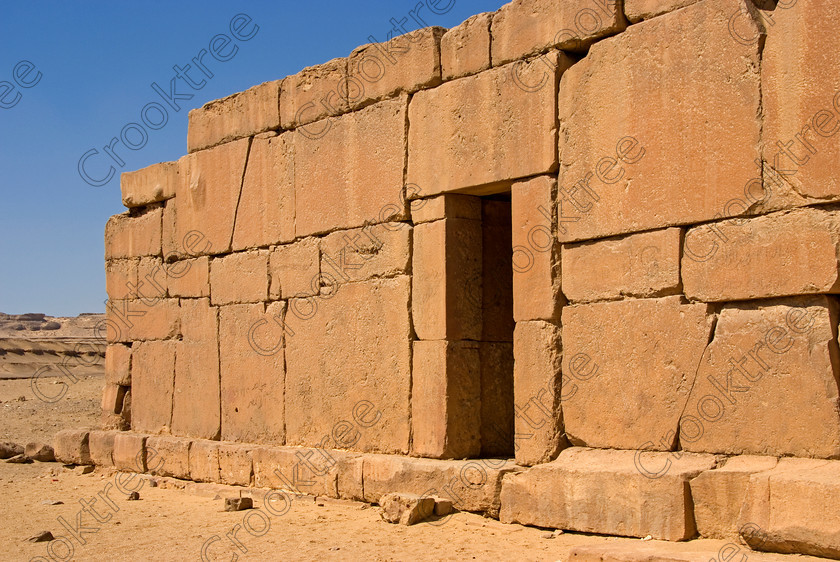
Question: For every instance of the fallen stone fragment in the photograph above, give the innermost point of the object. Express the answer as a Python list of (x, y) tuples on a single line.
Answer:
[(19, 459), (40, 452), (52, 502), (133, 496), (83, 469), (9, 450), (43, 536), (406, 509), (443, 507), (238, 504)]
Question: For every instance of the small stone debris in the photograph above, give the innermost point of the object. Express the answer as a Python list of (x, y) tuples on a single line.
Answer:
[(238, 504), (133, 496), (552, 535), (52, 502), (335, 548), (406, 509), (443, 507), (648, 538), (364, 506), (83, 469), (9, 450), (319, 504), (19, 459), (40, 452), (21, 399), (43, 536)]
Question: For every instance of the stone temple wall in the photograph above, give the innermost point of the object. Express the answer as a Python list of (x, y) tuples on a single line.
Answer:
[(597, 237)]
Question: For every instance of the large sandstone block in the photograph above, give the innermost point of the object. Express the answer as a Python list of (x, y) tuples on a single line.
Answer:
[(149, 185), (465, 49), (536, 252), (793, 508), (251, 339), (537, 378), (206, 199), (471, 485), (121, 278), (118, 364), (719, 494), (173, 456), (526, 27), (138, 320), (446, 282), (607, 492), (151, 280), (639, 265), (312, 94), (295, 269), (630, 550), (648, 348), (239, 278), (130, 452), (101, 447), (235, 464), (496, 272), (787, 253), (447, 206), (354, 349), (446, 399), (799, 82), (356, 188), (454, 141), (638, 10), (72, 446), (767, 380), (189, 278), (152, 383), (497, 413), (133, 235), (241, 115), (381, 250), (297, 470), (204, 461), (266, 212), (404, 64), (635, 166)]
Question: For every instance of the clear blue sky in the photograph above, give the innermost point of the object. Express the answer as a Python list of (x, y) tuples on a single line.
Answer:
[(97, 62)]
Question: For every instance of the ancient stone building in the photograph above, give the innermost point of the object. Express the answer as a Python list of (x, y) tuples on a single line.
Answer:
[(573, 264)]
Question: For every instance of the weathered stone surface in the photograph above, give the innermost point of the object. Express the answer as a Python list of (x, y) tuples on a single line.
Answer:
[(406, 509), (719, 494), (354, 350), (638, 10), (112, 398), (786, 253), (204, 461), (252, 372), (496, 272), (454, 141), (526, 27), (446, 281), (149, 185), (239, 278), (767, 380), (235, 465), (130, 452), (355, 189), (9, 450), (471, 485), (266, 212), (101, 447), (793, 508), (536, 252), (537, 392), (629, 158), (72, 446), (496, 359), (660, 551), (380, 250), (151, 280), (133, 235), (447, 206), (312, 94), (152, 382), (404, 64), (121, 278), (600, 491), (630, 345), (174, 456), (241, 115), (118, 364), (205, 201), (639, 265), (139, 320), (39, 452), (296, 470), (295, 269), (465, 49), (799, 69), (446, 399), (189, 278)]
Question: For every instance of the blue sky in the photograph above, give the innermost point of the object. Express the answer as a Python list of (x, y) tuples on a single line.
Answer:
[(97, 62)]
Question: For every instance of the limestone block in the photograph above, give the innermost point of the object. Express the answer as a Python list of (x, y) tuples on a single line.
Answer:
[(204, 461), (526, 27), (314, 93), (465, 49), (130, 452), (496, 359), (152, 381), (356, 188), (235, 464), (639, 265), (786, 253), (628, 158), (638, 10), (767, 380), (454, 142), (239, 278), (241, 115), (295, 269), (266, 212), (251, 340), (600, 491), (133, 235), (173, 456), (72, 446), (380, 250), (537, 392), (118, 364), (355, 349), (121, 278), (648, 348), (446, 399), (149, 185), (151, 280), (138, 320), (101, 447), (447, 206), (189, 278), (297, 470)]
